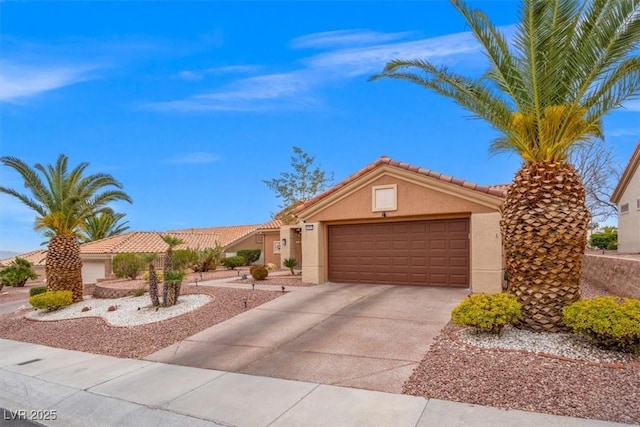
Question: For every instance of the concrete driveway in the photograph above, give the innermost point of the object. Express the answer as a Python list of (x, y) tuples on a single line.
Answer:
[(353, 335)]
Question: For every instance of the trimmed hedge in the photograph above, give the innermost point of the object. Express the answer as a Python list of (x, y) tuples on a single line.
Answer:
[(232, 262), (37, 290), (258, 272), (489, 313), (610, 322), (52, 300)]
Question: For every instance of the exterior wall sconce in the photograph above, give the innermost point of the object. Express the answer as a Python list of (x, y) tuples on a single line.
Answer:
[(284, 242)]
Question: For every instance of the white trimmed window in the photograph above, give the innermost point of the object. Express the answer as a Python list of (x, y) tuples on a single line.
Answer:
[(276, 247), (624, 208), (384, 198)]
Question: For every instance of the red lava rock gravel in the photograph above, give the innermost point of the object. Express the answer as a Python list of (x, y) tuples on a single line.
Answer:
[(454, 371), (93, 335)]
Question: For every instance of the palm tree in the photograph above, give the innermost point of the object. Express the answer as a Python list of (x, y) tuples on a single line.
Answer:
[(102, 225), (546, 93), (62, 200), (153, 278), (172, 277)]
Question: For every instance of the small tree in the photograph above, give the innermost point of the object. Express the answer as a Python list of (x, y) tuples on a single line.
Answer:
[(290, 263), (127, 265), (173, 275), (153, 278), (208, 259), (250, 255), (302, 183), (17, 273)]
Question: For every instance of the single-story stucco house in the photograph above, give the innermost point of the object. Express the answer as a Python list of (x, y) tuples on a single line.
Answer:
[(394, 223), (626, 196)]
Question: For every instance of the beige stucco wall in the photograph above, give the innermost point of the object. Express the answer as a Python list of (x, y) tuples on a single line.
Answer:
[(629, 223), (413, 199), (260, 240), (293, 247), (486, 253)]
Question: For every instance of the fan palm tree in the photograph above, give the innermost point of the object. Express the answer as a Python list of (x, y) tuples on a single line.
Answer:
[(546, 93), (172, 277), (62, 200), (102, 225)]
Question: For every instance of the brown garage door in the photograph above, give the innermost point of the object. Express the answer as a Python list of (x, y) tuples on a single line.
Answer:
[(432, 253)]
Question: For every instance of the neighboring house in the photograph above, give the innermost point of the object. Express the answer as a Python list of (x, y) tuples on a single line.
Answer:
[(627, 197), (36, 258), (393, 223)]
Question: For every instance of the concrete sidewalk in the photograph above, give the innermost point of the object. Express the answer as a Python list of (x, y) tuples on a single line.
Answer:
[(93, 390)]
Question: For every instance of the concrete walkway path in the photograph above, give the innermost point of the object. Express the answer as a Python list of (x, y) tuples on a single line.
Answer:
[(362, 336), (82, 389)]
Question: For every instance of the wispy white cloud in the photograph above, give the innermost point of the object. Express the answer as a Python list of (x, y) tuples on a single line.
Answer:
[(345, 38), (229, 69), (623, 132), (18, 81), (356, 53), (195, 158)]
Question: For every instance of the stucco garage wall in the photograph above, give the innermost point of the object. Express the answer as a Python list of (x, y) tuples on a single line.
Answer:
[(629, 222), (92, 270)]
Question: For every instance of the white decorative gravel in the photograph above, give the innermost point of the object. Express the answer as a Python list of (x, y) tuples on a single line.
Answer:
[(130, 311), (560, 344)]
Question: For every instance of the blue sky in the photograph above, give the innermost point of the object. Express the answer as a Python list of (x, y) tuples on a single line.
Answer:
[(192, 104)]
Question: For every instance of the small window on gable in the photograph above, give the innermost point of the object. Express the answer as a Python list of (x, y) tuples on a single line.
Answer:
[(384, 197), (624, 208)]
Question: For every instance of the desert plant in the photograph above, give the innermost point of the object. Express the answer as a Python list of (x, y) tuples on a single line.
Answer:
[(127, 265), (51, 300), (37, 290), (17, 273), (207, 259), (185, 258), (172, 283), (151, 277), (232, 262), (610, 322), (62, 200), (489, 313), (271, 266), (290, 263), (546, 91), (250, 255), (259, 273)]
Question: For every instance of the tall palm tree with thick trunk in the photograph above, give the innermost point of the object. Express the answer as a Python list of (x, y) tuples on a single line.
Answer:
[(546, 92), (62, 200), (102, 225)]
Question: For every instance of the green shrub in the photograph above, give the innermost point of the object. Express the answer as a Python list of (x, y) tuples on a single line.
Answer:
[(51, 300), (612, 246), (610, 322), (232, 262), (602, 240), (127, 265), (37, 290), (208, 259), (184, 258), (174, 276), (250, 255), (489, 313), (17, 273), (159, 275), (259, 272), (290, 263)]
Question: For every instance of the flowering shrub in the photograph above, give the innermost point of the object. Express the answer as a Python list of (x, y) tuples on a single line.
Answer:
[(489, 313), (51, 300)]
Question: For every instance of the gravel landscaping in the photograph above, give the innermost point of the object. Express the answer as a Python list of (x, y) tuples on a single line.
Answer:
[(559, 374), (94, 335)]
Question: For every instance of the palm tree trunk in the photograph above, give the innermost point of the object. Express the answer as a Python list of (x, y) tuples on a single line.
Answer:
[(544, 228), (153, 285), (63, 266)]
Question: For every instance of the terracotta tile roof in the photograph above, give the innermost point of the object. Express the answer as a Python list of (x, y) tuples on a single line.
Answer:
[(629, 171), (496, 190), (273, 224), (227, 235), (36, 257), (147, 241)]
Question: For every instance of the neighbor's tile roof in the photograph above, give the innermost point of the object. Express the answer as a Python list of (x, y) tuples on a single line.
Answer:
[(147, 241), (273, 224), (495, 190), (227, 235), (36, 257), (629, 171)]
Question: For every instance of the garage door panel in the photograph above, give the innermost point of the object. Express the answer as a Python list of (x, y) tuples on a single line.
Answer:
[(415, 252)]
